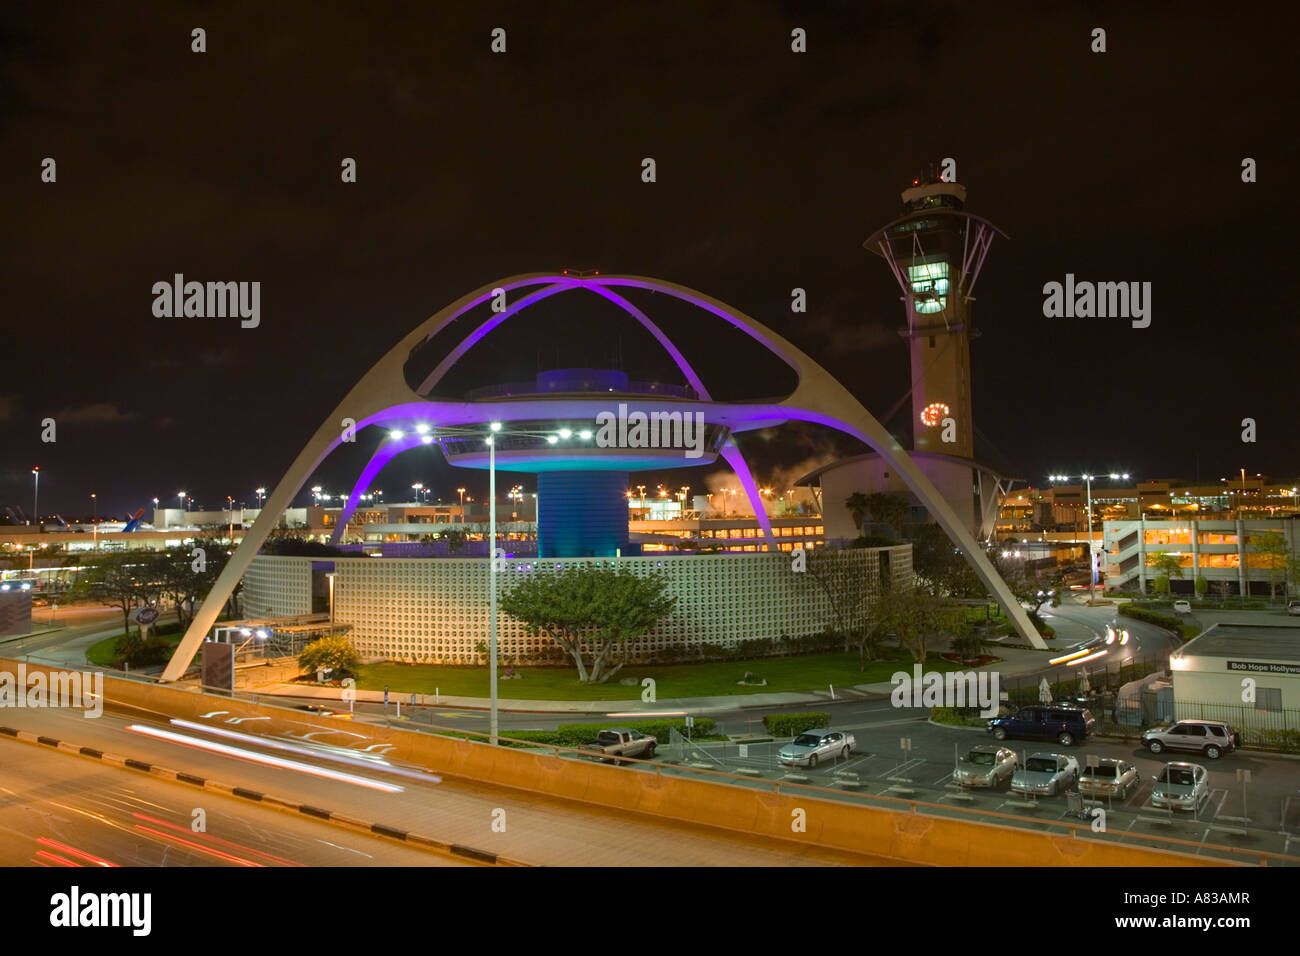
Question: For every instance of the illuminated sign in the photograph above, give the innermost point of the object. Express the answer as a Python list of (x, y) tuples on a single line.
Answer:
[(934, 413)]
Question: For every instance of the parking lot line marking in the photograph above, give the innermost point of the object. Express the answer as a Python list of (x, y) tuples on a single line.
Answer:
[(1222, 799), (939, 782), (905, 765)]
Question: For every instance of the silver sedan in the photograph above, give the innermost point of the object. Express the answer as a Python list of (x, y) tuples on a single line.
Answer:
[(814, 746), (986, 765), (1046, 774), (1110, 777)]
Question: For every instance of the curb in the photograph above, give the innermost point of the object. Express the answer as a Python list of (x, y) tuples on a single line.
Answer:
[(266, 799)]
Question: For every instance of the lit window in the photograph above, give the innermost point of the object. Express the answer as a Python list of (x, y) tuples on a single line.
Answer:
[(929, 285)]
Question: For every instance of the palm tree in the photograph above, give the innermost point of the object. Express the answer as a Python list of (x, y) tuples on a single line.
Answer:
[(857, 503), (887, 508)]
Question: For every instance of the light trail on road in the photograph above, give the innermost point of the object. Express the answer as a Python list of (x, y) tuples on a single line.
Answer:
[(266, 759)]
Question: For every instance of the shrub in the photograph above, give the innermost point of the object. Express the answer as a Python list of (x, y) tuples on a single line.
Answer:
[(1287, 740), (133, 651), (873, 541), (334, 653), (1167, 621), (300, 547), (575, 735), (958, 716), (791, 725), (968, 645)]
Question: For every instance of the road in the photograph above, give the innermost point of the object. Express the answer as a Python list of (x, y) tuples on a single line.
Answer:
[(536, 829), (61, 810)]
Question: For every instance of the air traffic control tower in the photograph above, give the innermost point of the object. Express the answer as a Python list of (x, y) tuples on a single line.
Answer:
[(936, 251)]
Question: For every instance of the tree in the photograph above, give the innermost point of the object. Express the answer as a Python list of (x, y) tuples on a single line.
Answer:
[(455, 539), (187, 578), (590, 610), (1166, 564), (888, 508), (845, 588), (857, 505), (1272, 551), (1030, 590), (940, 567), (917, 618), (125, 580), (1202, 586), (1222, 589), (867, 639), (335, 653)]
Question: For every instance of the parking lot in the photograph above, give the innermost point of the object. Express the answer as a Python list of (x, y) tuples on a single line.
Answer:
[(1262, 816)]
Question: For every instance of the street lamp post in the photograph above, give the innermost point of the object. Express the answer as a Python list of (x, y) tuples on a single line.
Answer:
[(1092, 549), (260, 493), (36, 494), (492, 581)]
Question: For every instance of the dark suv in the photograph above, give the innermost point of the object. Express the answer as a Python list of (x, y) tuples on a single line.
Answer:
[(1065, 725)]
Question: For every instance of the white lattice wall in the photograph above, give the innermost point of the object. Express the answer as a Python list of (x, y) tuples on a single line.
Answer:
[(436, 609), (276, 587)]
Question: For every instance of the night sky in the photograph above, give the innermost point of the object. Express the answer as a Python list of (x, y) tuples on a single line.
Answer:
[(773, 167)]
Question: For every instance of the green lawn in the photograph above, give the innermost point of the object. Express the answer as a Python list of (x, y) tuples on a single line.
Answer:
[(101, 653), (671, 681)]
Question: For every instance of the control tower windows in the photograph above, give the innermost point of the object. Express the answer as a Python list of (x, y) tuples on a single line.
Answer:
[(929, 281)]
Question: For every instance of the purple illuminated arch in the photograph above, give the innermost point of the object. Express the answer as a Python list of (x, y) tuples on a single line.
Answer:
[(731, 452), (382, 396)]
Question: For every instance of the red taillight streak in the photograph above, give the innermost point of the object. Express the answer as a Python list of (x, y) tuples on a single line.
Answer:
[(56, 858), (199, 846), (214, 839), (75, 852)]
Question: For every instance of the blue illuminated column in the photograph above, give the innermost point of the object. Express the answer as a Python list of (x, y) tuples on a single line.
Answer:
[(581, 514)]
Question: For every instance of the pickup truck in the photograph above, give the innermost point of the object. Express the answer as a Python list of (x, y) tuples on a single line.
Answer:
[(621, 742)]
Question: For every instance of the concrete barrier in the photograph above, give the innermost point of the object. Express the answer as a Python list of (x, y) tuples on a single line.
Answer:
[(896, 834)]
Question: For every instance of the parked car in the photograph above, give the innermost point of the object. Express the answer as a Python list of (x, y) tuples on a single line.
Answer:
[(1213, 738), (1048, 774), (986, 765), (1182, 786), (1293, 606), (621, 742), (1065, 725), (1110, 777), (1182, 607), (813, 746)]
